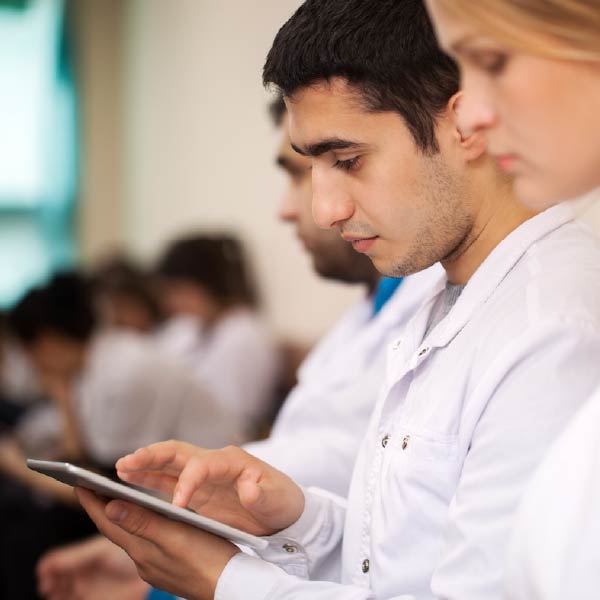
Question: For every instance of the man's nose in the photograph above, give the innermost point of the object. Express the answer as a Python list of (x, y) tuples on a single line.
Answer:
[(331, 203)]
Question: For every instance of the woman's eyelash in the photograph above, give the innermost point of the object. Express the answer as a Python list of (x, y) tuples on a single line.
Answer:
[(346, 165), (496, 65), (492, 63)]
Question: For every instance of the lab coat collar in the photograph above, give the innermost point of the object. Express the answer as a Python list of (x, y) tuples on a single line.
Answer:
[(492, 271)]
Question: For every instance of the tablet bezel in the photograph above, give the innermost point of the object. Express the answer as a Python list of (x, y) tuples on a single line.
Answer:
[(78, 476)]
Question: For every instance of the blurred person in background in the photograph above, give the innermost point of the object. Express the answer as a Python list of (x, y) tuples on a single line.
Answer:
[(112, 390), (209, 296), (126, 295), (19, 388), (317, 434), (531, 71)]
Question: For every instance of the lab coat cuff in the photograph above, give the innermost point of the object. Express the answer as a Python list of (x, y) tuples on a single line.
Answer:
[(311, 539), (248, 578)]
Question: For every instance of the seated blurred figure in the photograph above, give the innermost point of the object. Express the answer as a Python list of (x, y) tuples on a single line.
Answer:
[(214, 326), (113, 389), (19, 389), (126, 296)]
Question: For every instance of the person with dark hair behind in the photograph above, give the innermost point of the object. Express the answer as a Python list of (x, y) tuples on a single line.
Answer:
[(126, 295), (206, 278), (114, 389)]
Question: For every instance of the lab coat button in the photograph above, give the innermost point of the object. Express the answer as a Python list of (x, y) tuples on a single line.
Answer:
[(385, 440), (396, 344), (365, 565), (405, 442), (290, 549), (424, 351)]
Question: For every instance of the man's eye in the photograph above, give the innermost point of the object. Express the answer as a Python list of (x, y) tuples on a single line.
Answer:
[(347, 165)]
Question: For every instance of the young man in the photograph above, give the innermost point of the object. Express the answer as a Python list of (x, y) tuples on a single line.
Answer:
[(479, 384), (317, 434), (327, 413)]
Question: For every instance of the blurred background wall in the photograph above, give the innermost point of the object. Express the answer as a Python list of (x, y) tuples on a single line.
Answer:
[(176, 137), (172, 136)]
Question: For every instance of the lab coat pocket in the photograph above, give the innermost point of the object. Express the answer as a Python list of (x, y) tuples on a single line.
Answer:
[(419, 476), (421, 469)]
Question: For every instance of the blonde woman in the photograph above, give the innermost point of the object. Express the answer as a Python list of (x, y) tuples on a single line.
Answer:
[(531, 73)]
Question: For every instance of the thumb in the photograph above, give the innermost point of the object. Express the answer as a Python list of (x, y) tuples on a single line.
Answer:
[(135, 520), (251, 494)]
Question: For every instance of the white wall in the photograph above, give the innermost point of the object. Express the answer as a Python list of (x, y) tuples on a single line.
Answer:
[(199, 145), (98, 33)]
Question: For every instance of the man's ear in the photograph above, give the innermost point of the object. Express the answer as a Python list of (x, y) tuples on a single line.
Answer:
[(473, 143)]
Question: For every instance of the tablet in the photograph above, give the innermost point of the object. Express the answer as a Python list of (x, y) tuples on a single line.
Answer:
[(77, 476)]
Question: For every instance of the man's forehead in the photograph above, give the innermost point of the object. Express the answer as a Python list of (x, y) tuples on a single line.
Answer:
[(335, 93), (323, 117)]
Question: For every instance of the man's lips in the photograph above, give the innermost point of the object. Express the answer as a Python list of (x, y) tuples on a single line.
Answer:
[(361, 244)]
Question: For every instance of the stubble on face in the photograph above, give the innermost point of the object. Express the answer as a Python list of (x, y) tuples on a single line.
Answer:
[(443, 223)]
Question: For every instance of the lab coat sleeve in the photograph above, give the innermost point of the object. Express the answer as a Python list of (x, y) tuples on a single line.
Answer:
[(519, 408), (312, 545), (282, 571), (249, 578)]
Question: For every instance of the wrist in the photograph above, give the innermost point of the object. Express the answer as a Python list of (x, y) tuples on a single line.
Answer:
[(211, 572)]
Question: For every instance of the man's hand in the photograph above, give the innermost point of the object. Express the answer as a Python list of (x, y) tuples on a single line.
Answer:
[(171, 556), (95, 569), (228, 485)]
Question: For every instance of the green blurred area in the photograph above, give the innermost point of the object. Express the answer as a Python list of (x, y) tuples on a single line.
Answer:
[(15, 4)]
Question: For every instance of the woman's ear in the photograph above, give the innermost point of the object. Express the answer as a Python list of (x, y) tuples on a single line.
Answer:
[(473, 143)]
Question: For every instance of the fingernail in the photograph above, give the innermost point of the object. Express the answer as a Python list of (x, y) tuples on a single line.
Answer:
[(116, 512)]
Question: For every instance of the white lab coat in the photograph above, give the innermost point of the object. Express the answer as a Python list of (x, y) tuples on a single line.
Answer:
[(235, 361), (130, 395), (178, 336), (554, 552), (316, 437), (464, 418)]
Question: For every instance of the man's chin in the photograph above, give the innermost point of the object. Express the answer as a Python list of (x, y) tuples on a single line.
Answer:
[(383, 266)]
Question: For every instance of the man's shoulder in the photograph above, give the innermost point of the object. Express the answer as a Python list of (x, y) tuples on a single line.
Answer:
[(558, 278)]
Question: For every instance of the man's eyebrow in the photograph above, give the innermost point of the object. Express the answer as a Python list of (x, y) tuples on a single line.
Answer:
[(325, 146)]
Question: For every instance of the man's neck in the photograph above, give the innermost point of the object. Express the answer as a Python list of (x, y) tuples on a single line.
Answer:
[(499, 215)]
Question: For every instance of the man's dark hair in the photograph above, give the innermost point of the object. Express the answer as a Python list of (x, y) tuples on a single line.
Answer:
[(215, 262), (277, 109), (63, 306), (386, 49)]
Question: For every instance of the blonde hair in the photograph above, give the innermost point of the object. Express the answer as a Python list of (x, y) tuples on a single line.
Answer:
[(562, 29)]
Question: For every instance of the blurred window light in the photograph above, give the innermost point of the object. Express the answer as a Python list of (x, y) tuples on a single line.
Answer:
[(38, 148)]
